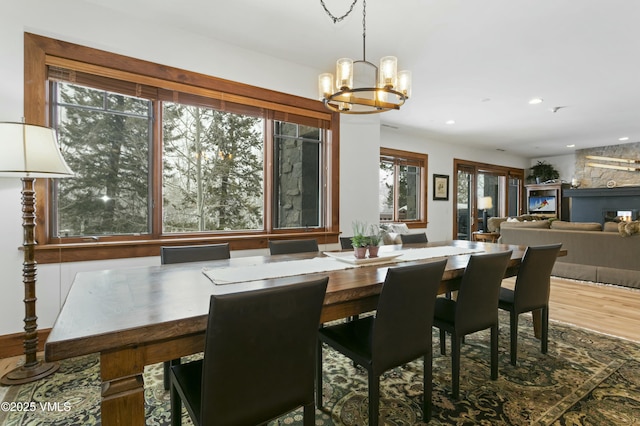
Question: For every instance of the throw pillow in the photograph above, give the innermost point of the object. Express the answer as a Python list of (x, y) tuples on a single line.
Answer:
[(493, 223), (627, 229), (610, 227)]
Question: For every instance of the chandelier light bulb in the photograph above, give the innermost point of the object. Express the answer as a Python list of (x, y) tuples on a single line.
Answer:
[(404, 83), (388, 72), (325, 85), (344, 73)]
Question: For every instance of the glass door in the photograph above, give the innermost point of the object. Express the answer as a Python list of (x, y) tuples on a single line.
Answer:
[(489, 191), (484, 191), (464, 217)]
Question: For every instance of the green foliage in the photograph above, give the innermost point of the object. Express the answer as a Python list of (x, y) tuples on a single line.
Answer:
[(375, 235), (212, 176), (212, 167), (105, 140), (359, 239), (544, 171)]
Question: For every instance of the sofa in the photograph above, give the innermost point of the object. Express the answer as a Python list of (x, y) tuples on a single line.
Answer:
[(610, 255), (494, 223)]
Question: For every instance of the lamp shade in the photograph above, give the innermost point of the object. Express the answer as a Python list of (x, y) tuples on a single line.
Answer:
[(30, 151), (485, 203)]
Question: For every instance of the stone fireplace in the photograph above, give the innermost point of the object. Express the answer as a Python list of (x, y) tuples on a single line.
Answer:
[(603, 204)]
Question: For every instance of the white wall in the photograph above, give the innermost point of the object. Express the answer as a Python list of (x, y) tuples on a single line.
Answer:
[(90, 25), (441, 155), (564, 164)]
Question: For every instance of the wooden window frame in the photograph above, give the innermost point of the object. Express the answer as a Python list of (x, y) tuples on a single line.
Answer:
[(42, 52), (423, 161), (475, 168)]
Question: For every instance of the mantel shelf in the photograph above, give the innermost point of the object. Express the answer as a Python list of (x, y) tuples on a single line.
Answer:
[(602, 192)]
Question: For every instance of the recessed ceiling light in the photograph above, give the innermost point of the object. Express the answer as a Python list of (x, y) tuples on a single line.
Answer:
[(573, 145), (535, 101), (624, 138), (451, 122)]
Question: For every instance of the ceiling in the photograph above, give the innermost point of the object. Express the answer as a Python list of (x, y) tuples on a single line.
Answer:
[(477, 62)]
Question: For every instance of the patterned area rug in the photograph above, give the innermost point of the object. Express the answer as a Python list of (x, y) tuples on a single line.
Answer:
[(585, 379)]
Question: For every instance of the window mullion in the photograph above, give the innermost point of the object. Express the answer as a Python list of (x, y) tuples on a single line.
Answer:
[(156, 170)]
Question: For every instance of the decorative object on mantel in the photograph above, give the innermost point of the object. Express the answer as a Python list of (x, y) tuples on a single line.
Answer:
[(575, 183), (629, 168), (362, 88), (543, 172), (30, 152)]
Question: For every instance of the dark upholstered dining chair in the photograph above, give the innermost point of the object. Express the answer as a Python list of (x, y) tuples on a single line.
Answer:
[(475, 309), (399, 332), (414, 238), (345, 243), (293, 246), (183, 254), (530, 293), (259, 358), (200, 253)]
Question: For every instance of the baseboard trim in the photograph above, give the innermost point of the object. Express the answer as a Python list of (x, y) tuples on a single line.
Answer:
[(12, 344)]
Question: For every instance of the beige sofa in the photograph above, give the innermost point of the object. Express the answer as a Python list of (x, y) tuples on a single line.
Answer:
[(494, 223), (592, 255)]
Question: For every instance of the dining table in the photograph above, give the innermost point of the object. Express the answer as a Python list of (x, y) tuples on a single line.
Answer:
[(137, 316)]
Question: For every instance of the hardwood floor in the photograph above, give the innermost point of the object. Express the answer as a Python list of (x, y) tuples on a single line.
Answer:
[(602, 308)]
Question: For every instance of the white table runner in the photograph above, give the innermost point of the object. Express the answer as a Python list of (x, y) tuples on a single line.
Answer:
[(260, 271)]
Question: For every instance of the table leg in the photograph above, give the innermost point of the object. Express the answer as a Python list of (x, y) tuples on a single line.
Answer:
[(122, 388)]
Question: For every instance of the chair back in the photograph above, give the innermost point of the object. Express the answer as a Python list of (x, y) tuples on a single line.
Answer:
[(259, 356), (345, 243), (200, 253), (533, 280), (402, 329), (414, 238), (293, 246), (477, 300)]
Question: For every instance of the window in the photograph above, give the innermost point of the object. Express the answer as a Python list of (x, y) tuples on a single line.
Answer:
[(212, 170), (297, 183), (161, 155), (402, 187), (105, 139)]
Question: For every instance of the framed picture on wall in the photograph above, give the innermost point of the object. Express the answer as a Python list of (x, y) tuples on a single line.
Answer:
[(440, 187)]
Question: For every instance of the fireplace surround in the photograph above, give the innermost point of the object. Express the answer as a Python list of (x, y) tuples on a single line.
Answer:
[(599, 204)]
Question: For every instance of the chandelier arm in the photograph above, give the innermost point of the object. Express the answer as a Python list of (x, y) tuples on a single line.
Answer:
[(336, 18)]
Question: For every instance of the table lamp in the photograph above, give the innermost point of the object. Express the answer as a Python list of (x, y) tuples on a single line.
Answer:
[(30, 152), (484, 204)]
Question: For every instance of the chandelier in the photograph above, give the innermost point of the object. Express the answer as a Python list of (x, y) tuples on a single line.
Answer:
[(362, 87)]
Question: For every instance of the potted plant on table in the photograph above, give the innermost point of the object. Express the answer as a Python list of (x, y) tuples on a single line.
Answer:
[(375, 237), (359, 241)]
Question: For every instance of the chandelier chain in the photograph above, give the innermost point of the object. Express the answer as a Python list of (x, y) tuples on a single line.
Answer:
[(364, 30), (338, 18)]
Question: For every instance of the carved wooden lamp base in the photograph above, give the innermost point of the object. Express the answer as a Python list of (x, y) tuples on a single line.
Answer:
[(24, 374)]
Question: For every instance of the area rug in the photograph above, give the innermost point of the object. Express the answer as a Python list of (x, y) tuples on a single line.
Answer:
[(585, 379)]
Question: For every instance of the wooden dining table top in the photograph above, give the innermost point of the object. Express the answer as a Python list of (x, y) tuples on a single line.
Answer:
[(129, 307)]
